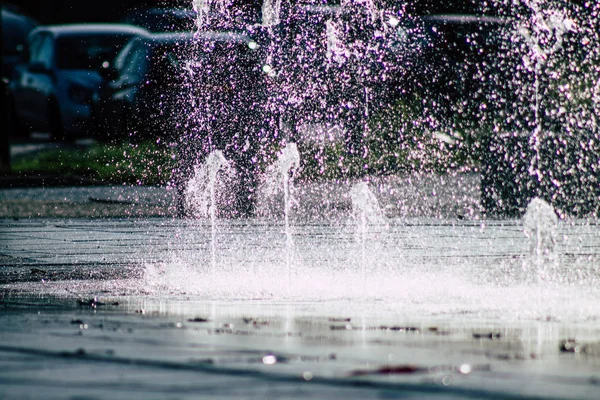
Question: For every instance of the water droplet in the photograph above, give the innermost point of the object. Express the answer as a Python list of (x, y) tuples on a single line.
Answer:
[(269, 359), (465, 369)]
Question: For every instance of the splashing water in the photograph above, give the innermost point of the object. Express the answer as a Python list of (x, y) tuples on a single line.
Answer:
[(541, 35), (201, 190), (540, 226), (335, 47), (201, 193), (209, 10), (544, 36), (279, 177), (202, 9), (270, 12), (368, 217), (365, 208), (547, 113)]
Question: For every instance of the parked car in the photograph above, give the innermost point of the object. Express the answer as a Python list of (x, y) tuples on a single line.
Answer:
[(203, 91), (53, 90), (144, 88), (159, 81), (15, 28)]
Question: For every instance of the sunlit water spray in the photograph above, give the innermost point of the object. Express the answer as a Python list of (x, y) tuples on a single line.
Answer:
[(208, 10), (202, 9), (279, 177), (270, 12), (201, 193), (540, 226), (336, 51), (543, 35), (368, 217), (430, 267)]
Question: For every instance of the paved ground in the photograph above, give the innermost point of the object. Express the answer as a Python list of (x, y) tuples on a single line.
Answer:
[(86, 201), (120, 308), (427, 195)]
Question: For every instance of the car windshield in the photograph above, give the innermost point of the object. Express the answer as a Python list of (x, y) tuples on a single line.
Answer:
[(167, 60), (203, 59), (89, 51)]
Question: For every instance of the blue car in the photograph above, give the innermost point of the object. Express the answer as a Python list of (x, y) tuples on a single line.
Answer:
[(52, 91)]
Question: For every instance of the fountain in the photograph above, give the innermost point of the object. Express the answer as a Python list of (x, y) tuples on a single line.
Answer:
[(544, 141), (540, 226), (367, 216), (279, 176), (327, 64), (398, 283), (201, 193), (201, 189)]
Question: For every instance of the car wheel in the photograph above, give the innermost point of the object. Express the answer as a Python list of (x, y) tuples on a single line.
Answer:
[(20, 129), (55, 124)]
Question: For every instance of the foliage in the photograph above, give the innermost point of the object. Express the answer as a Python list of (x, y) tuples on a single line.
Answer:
[(399, 139)]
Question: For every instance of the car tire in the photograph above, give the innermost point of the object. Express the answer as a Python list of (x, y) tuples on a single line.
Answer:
[(19, 129), (55, 124)]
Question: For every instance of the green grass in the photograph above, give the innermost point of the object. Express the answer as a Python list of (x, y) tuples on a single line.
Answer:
[(141, 163)]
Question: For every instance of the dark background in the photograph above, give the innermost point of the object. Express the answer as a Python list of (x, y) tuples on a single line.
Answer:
[(56, 11), (63, 11)]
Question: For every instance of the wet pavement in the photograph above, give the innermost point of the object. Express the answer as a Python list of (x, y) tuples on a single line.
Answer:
[(418, 195), (162, 308), (86, 202)]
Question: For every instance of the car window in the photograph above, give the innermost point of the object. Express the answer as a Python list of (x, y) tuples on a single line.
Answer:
[(35, 42), (124, 55), (136, 64), (42, 50), (88, 51), (46, 52)]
